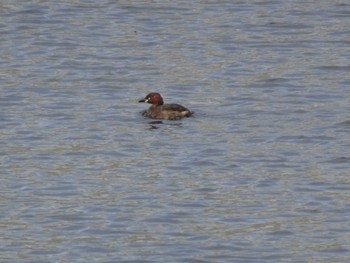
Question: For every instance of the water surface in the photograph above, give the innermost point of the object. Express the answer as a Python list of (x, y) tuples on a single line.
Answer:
[(259, 174)]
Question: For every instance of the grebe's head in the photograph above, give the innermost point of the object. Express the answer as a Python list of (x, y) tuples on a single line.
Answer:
[(153, 98)]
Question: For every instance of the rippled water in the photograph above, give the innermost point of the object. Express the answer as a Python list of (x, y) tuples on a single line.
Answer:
[(259, 174)]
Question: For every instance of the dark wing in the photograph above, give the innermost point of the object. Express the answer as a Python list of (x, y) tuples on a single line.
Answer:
[(174, 107)]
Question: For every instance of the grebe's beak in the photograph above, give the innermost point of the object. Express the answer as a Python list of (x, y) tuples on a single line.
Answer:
[(144, 100)]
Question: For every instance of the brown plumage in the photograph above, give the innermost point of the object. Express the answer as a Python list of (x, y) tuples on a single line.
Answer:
[(159, 110)]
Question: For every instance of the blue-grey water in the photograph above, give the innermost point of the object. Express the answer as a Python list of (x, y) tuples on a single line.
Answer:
[(261, 173)]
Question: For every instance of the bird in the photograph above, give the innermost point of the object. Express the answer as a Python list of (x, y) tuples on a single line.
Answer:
[(159, 110)]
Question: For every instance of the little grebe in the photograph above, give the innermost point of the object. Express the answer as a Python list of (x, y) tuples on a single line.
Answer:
[(159, 110)]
